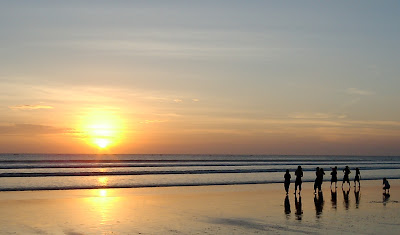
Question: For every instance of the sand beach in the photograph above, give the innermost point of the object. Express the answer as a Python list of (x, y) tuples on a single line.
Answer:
[(236, 209)]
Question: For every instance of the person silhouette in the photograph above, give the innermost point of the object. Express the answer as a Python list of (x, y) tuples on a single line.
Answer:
[(298, 182), (334, 177), (316, 182), (319, 172), (287, 205), (299, 207), (334, 198), (346, 198), (346, 171), (287, 181), (386, 185), (319, 203), (357, 178)]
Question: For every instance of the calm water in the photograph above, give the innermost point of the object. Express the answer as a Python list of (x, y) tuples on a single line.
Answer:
[(50, 172)]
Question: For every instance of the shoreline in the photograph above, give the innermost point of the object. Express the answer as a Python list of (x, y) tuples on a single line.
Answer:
[(229, 209)]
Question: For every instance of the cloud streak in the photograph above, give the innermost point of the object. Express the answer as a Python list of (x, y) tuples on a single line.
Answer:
[(356, 91), (30, 107)]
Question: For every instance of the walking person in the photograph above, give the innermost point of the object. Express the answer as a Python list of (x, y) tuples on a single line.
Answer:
[(298, 182), (346, 171), (334, 176), (386, 185), (357, 178), (287, 181)]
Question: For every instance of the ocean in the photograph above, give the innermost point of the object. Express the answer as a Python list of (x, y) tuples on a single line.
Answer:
[(23, 172)]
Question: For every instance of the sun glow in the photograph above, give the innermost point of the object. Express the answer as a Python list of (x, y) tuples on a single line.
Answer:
[(102, 129)]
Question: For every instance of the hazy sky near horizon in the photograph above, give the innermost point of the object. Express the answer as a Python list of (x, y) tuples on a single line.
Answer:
[(237, 77)]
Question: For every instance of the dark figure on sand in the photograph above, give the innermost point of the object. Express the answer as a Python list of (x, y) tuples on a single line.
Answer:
[(346, 198), (334, 176), (357, 178), (386, 185), (346, 171), (298, 182), (287, 181), (319, 172)]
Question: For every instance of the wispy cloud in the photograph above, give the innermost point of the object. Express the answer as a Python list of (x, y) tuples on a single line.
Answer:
[(195, 100), (30, 107), (356, 91), (32, 129), (178, 100), (315, 116)]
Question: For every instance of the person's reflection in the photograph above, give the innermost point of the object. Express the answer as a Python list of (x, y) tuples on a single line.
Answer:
[(386, 197), (346, 198), (287, 205), (357, 196), (299, 209), (334, 198), (319, 203)]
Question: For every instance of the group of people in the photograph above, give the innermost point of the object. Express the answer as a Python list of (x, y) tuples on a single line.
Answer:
[(319, 173)]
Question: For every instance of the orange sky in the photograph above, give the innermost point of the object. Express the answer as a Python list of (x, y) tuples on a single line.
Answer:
[(232, 77)]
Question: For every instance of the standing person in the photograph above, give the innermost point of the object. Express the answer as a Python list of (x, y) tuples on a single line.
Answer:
[(321, 178), (287, 181), (386, 185), (357, 178), (316, 182), (346, 171), (298, 182), (334, 176)]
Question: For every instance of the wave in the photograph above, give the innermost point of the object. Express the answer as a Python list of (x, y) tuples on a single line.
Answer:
[(166, 172), (159, 185)]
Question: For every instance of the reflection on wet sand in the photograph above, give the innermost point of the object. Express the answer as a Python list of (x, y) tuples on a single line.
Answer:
[(346, 198), (334, 198), (319, 203), (287, 205), (103, 205), (357, 197), (385, 198), (299, 209)]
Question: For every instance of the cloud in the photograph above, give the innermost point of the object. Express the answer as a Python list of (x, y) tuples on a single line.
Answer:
[(355, 91), (152, 121), (195, 100), (30, 107), (178, 100), (310, 116), (32, 129)]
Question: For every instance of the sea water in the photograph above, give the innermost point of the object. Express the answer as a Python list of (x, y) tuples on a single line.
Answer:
[(20, 172)]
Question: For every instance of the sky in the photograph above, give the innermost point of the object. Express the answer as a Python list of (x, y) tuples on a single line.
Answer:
[(200, 77)]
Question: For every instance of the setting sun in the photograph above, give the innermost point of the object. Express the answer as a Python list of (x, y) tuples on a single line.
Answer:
[(102, 129)]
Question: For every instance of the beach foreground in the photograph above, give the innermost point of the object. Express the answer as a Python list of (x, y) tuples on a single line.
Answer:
[(237, 209)]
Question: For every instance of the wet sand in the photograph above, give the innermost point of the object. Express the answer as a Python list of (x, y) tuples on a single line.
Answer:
[(238, 209)]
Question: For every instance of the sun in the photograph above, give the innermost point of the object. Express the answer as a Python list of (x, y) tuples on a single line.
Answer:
[(102, 129)]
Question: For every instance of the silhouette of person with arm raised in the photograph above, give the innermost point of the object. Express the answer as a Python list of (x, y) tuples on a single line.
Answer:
[(346, 171), (357, 178), (298, 182), (287, 181), (334, 177)]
